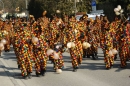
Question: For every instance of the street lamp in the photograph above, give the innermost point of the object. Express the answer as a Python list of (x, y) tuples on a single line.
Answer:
[(2, 4), (26, 3), (75, 7)]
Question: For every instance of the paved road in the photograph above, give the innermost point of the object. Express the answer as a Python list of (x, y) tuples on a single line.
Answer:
[(90, 73)]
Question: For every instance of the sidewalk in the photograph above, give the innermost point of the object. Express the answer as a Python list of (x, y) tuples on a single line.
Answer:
[(6, 79), (7, 74)]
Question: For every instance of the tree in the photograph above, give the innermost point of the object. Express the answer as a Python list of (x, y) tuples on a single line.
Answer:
[(11, 5), (36, 7)]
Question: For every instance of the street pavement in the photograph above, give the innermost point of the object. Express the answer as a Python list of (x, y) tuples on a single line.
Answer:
[(90, 73)]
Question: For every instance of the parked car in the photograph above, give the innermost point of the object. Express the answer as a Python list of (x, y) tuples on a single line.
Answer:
[(92, 14)]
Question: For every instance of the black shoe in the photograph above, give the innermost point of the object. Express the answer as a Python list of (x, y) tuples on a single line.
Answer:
[(127, 59), (29, 75), (77, 67), (62, 67), (25, 77), (108, 68), (43, 72), (54, 70), (84, 56), (96, 56), (125, 66), (88, 56), (74, 70), (115, 57), (93, 57), (38, 74), (111, 66), (18, 66)]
